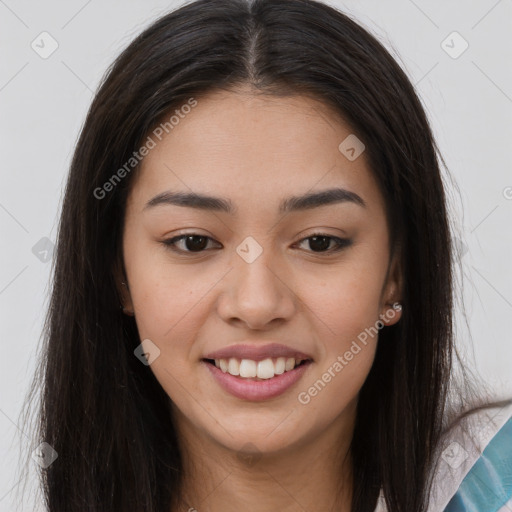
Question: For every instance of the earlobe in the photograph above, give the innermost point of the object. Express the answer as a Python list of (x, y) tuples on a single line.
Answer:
[(392, 314)]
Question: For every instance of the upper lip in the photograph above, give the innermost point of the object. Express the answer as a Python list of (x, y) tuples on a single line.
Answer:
[(257, 352)]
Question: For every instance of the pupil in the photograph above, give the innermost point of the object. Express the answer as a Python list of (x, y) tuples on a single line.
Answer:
[(195, 246), (320, 246)]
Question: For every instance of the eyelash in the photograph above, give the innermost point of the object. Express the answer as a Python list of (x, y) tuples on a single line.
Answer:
[(342, 243)]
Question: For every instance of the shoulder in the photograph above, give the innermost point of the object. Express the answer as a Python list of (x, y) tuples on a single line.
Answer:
[(474, 466), (473, 470)]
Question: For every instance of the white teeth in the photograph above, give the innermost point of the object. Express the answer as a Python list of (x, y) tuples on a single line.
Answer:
[(280, 365), (247, 367), (265, 369), (290, 364), (234, 368)]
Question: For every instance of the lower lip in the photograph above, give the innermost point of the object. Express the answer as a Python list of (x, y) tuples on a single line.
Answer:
[(257, 390)]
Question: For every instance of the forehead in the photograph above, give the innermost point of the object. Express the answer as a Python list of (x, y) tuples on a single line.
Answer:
[(253, 149)]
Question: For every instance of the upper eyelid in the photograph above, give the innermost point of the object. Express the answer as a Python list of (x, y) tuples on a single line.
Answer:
[(179, 238), (339, 240)]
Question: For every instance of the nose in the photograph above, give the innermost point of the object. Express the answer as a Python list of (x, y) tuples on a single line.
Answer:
[(256, 294)]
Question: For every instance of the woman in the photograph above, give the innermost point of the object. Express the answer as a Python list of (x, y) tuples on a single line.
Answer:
[(253, 289)]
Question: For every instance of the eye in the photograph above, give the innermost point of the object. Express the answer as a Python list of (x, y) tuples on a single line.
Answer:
[(320, 242), (192, 242)]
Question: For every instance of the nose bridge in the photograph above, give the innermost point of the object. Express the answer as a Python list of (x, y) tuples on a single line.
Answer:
[(256, 293), (254, 273)]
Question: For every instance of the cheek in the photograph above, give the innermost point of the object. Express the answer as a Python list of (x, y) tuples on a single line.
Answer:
[(347, 300), (171, 308), (345, 308), (171, 305), (345, 312), (164, 292), (170, 301)]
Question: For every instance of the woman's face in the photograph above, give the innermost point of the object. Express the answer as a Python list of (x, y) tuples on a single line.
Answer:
[(253, 275)]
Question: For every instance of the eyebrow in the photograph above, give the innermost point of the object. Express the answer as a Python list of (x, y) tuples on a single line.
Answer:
[(291, 204)]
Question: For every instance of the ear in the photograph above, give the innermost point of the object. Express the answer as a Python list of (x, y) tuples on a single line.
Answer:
[(122, 287), (392, 293)]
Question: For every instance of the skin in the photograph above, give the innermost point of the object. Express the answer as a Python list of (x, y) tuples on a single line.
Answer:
[(257, 151)]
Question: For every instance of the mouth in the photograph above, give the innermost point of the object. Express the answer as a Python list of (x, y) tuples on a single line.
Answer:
[(257, 381)]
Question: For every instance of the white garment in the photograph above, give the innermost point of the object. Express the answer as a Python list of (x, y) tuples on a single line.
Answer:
[(460, 448)]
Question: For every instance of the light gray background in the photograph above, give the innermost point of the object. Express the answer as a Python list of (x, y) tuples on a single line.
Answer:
[(44, 102)]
